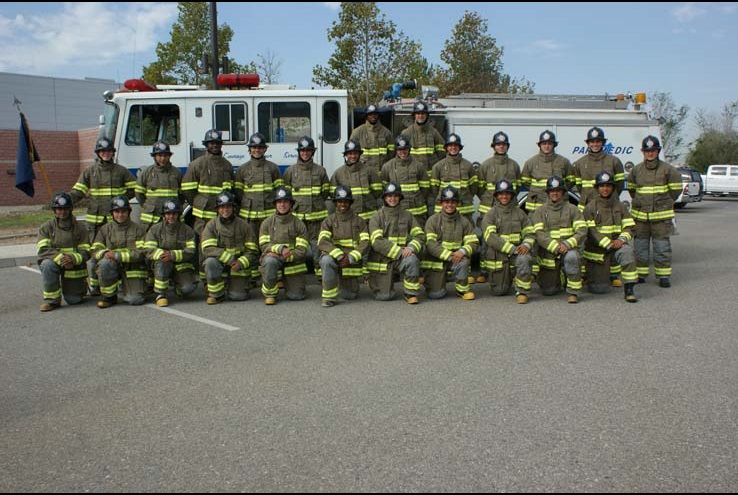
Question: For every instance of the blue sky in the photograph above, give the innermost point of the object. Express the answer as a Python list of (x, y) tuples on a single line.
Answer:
[(686, 49)]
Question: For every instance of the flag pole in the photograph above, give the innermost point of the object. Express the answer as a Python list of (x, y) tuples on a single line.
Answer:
[(32, 151)]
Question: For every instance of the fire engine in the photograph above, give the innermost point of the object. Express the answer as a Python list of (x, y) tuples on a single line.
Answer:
[(141, 114)]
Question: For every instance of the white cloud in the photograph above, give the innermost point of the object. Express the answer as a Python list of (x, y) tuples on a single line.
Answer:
[(82, 33), (550, 45), (332, 5), (687, 12)]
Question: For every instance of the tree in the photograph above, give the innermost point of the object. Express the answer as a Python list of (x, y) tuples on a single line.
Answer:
[(268, 67), (370, 54), (718, 142), (179, 60), (475, 62), (671, 121)]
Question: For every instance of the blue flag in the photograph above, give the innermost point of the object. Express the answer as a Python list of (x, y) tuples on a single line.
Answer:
[(25, 159)]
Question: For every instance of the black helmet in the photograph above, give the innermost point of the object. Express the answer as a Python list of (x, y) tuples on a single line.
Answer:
[(371, 109), (120, 203), (257, 140), (453, 139), (420, 107), (402, 143), (282, 193), (160, 147), (61, 200), (305, 143), (650, 143), (171, 205), (392, 188), (595, 133), (225, 197), (555, 182), (604, 177), (503, 186), (343, 192), (213, 136), (450, 193), (104, 144), (500, 138), (352, 145), (547, 137)]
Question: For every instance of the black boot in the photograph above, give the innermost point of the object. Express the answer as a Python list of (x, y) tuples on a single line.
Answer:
[(664, 282), (629, 292)]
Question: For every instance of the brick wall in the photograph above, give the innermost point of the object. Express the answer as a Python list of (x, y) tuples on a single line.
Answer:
[(64, 154)]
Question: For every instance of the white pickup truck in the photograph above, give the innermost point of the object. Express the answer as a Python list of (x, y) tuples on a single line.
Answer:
[(721, 180)]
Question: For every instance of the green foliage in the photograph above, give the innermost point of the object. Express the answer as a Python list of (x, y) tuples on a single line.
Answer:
[(671, 121), (714, 147), (475, 62), (179, 60), (370, 54)]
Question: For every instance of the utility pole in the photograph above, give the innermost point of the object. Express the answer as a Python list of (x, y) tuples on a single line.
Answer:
[(214, 42)]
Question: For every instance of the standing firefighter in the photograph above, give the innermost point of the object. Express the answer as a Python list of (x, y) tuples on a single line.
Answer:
[(101, 182), (310, 187), (397, 243), (363, 180), (171, 248), (609, 229), (425, 141), (412, 176), (119, 250), (450, 243), (540, 167), (654, 185), (63, 248), (457, 171), (344, 241), (596, 160), (508, 234), (205, 178), (157, 183), (375, 139)]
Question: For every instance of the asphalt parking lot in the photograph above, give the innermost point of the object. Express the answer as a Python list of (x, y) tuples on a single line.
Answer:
[(449, 395)]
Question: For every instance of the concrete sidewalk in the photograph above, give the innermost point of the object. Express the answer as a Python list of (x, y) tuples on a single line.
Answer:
[(17, 255)]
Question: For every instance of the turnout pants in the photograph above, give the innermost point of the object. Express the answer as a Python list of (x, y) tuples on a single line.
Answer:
[(58, 282)]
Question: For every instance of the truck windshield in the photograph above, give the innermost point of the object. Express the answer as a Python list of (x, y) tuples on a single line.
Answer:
[(109, 122)]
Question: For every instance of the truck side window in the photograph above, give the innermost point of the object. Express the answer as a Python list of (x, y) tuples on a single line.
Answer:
[(733, 171), (284, 122), (150, 123), (719, 171), (230, 119), (331, 122)]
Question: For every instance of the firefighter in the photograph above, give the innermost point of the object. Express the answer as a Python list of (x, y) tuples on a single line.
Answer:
[(654, 186), (427, 144), (450, 243), (344, 241), (499, 166), (609, 230), (412, 176), (310, 187), (119, 250), (284, 245), (63, 247), (375, 139), (596, 160), (205, 178), (157, 183), (230, 251), (559, 229), (101, 182), (539, 168), (397, 241), (364, 181), (455, 170), (508, 234), (256, 181), (171, 249)]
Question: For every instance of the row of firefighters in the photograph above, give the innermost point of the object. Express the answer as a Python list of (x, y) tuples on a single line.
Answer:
[(257, 223)]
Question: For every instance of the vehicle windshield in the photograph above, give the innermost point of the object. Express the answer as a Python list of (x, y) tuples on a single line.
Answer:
[(110, 121)]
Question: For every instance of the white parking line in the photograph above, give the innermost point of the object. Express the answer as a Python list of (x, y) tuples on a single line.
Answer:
[(170, 311), (194, 318)]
